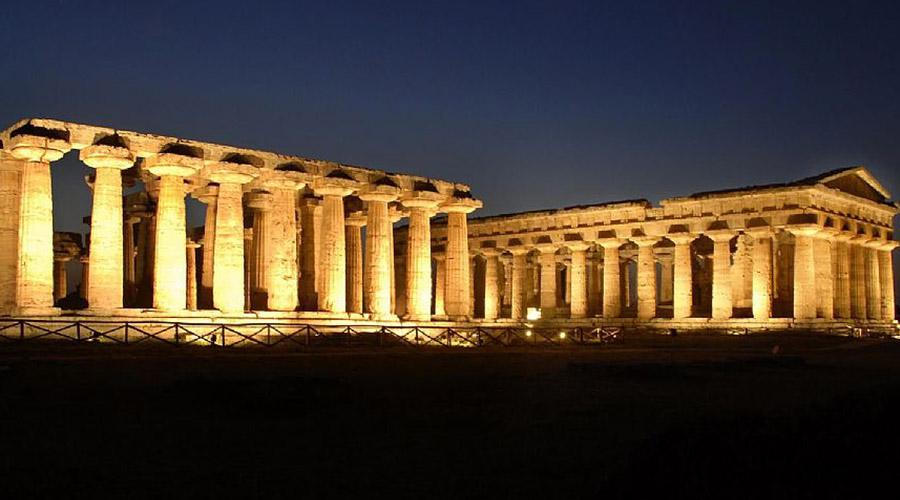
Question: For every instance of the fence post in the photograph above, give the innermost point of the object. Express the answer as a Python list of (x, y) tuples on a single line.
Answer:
[(126, 333), (307, 335), (78, 330), (22, 330), (176, 333)]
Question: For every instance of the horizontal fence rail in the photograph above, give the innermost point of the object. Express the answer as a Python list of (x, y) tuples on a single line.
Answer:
[(299, 335)]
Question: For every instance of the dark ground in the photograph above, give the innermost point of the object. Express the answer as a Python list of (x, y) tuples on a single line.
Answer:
[(687, 417)]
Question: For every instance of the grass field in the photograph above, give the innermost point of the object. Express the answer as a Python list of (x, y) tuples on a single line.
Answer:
[(684, 417)]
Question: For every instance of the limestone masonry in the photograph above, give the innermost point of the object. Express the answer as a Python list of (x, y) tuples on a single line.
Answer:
[(287, 238)]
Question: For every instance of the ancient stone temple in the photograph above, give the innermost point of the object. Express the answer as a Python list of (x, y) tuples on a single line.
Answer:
[(287, 238), (808, 253), (283, 235)]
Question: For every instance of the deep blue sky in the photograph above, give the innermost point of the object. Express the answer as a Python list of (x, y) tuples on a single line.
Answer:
[(535, 104)]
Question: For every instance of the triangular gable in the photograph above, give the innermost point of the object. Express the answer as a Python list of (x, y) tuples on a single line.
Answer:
[(857, 181)]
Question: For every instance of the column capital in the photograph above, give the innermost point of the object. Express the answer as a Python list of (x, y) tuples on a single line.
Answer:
[(334, 186), (547, 248), (172, 164), (101, 156), (379, 192), (284, 179), (889, 245), (259, 200), (490, 252), (577, 246), (760, 232), (461, 205), (610, 242), (518, 250), (38, 149), (681, 238), (355, 219), (645, 241), (224, 172), (395, 214), (192, 244), (421, 199), (719, 235), (803, 229), (842, 236), (874, 243)]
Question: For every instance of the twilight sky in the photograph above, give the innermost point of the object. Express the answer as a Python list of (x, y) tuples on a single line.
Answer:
[(535, 104)]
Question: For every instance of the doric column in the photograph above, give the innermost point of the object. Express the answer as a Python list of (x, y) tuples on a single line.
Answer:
[(646, 277), (440, 281), (456, 296), (128, 254), (762, 272), (395, 216), (721, 273), (886, 273), (281, 267), (191, 256), (578, 282), (858, 276), (842, 275), (824, 273), (472, 286), (491, 283), (228, 259), (379, 256), (666, 278), (594, 284), (506, 261), (682, 276), (547, 262), (873, 279), (60, 277), (353, 237), (207, 195), (170, 266), (10, 198), (567, 282), (106, 224), (418, 257), (804, 270), (248, 249), (85, 278), (333, 251), (518, 309), (612, 299), (310, 213), (260, 205), (34, 283)]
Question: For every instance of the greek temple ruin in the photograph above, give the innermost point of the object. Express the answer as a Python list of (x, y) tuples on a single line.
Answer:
[(292, 238)]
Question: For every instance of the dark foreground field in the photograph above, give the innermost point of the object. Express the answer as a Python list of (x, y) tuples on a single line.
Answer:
[(684, 417)]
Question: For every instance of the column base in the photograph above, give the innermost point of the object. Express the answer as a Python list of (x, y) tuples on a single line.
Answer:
[(36, 311), (384, 317), (460, 318), (417, 317)]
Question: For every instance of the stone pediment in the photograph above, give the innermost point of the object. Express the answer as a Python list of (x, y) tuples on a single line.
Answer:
[(857, 181)]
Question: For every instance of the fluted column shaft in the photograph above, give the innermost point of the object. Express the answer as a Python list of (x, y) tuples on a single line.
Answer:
[(804, 272), (418, 265), (60, 278), (491, 285), (646, 279), (281, 268), (106, 240), (191, 256), (666, 279), (858, 278), (379, 259), (209, 242), (309, 254), (886, 273), (456, 296), (85, 278), (353, 237), (440, 283), (612, 296), (128, 256), (824, 275), (547, 261), (35, 260), (228, 262), (873, 281), (10, 199), (332, 261), (170, 266), (762, 274), (682, 277), (721, 285), (842, 277), (259, 258), (578, 293), (518, 285)]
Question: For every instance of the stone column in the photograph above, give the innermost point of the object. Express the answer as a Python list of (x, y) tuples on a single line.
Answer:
[(248, 250), (191, 256), (281, 267), (83, 290), (228, 259), (440, 283), (567, 282), (333, 252), (594, 280), (34, 284), (886, 273), (491, 283), (260, 205), (682, 276), (873, 279), (208, 195), (10, 198), (418, 259), (506, 261), (353, 237), (310, 211), (762, 272), (128, 254), (612, 298), (170, 265), (456, 295), (804, 271), (578, 281), (646, 277), (518, 309), (472, 286), (824, 274), (547, 261), (666, 278), (106, 224), (395, 216), (379, 255), (858, 276), (842, 275), (721, 273), (60, 277)]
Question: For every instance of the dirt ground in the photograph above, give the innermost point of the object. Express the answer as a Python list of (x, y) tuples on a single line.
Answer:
[(686, 417)]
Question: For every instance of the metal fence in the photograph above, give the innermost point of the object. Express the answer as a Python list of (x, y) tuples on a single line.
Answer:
[(294, 335)]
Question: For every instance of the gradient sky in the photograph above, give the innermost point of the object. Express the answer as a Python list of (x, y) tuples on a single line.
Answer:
[(535, 104)]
